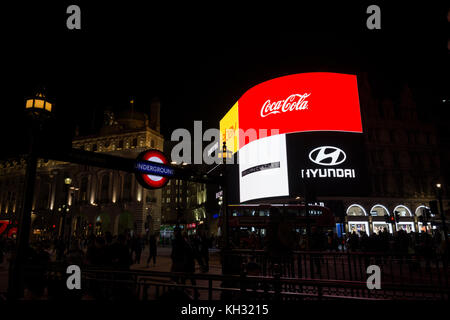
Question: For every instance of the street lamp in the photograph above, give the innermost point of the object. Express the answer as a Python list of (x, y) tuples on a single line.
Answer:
[(38, 104), (441, 209), (37, 109)]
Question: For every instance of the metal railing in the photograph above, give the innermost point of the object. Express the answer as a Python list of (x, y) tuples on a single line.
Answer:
[(396, 268), (108, 284)]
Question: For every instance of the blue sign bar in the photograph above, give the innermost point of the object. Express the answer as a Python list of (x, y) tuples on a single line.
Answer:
[(154, 168)]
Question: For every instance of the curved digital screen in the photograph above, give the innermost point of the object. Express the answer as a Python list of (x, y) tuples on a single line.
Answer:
[(295, 132), (305, 102)]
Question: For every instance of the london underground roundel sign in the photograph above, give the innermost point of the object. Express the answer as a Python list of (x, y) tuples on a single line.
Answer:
[(152, 169)]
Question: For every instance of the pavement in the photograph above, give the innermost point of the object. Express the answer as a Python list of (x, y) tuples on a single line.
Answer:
[(164, 262)]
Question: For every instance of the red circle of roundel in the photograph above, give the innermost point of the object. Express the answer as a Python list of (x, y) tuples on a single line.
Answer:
[(161, 181), (3, 226)]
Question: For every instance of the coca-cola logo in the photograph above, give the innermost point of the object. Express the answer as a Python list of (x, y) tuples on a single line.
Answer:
[(292, 103)]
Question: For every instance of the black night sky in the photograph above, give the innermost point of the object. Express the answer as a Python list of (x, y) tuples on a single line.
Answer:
[(199, 59)]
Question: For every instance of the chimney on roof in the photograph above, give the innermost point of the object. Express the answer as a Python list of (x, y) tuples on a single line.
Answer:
[(155, 112)]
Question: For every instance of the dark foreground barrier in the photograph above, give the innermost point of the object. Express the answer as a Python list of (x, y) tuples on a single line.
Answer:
[(399, 269), (106, 284)]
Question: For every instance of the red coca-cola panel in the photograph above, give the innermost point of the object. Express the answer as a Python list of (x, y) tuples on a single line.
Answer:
[(318, 101)]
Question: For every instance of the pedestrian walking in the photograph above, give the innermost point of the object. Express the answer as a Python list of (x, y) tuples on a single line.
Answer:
[(152, 248), (205, 244), (136, 248)]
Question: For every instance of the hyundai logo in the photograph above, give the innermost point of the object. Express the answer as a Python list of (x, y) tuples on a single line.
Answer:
[(327, 156)]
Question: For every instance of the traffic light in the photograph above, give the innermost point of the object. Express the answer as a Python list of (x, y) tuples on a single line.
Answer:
[(421, 219), (427, 214), (397, 216), (391, 219), (434, 207)]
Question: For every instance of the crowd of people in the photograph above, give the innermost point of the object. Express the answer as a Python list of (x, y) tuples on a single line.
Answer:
[(188, 249), (383, 241), (108, 252), (120, 252)]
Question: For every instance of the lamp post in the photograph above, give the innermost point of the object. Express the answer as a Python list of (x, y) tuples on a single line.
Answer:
[(67, 183), (441, 209), (37, 110), (225, 196), (72, 190), (178, 204)]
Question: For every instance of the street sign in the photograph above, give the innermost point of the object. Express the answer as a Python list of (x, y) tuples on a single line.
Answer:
[(152, 170), (136, 166)]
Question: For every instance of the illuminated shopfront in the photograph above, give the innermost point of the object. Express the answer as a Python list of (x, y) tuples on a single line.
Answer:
[(424, 228), (375, 222), (358, 227), (406, 226), (381, 226)]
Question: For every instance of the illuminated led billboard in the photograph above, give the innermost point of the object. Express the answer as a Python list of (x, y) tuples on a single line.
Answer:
[(229, 129), (297, 132), (318, 101)]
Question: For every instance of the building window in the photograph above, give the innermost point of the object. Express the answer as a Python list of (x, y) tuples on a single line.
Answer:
[(83, 188), (395, 159), (403, 211), (104, 188), (420, 210), (152, 143), (127, 187), (379, 211), (120, 144), (381, 111), (392, 136), (356, 210), (396, 112), (94, 147), (44, 193), (134, 142)]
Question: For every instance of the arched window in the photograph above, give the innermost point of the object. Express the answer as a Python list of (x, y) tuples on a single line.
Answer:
[(356, 210), (420, 210), (104, 188), (379, 211), (403, 211)]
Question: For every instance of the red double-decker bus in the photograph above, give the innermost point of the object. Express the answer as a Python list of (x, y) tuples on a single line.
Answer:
[(247, 220)]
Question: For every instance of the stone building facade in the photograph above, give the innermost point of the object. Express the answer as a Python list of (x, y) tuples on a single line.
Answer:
[(97, 200), (402, 153)]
